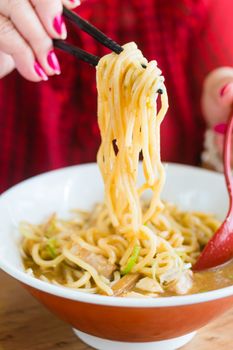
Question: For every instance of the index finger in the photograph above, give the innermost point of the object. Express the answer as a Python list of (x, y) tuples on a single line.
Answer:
[(50, 15)]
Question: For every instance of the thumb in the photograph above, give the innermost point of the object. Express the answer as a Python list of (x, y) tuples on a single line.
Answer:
[(6, 64), (217, 95), (226, 95)]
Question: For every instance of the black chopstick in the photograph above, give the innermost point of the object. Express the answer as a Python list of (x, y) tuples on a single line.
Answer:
[(77, 52), (95, 33), (92, 31)]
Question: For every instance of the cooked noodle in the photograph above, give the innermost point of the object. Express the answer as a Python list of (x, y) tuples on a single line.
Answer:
[(129, 245)]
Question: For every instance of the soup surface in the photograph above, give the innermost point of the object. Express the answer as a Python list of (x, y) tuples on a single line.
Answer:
[(211, 279), (87, 253), (204, 281)]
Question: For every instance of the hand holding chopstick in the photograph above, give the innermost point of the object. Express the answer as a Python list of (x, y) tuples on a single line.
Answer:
[(27, 28)]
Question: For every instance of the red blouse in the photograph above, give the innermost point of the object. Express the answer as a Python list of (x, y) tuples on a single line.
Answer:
[(53, 124)]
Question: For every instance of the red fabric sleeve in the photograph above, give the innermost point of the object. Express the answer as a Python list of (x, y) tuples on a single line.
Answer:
[(212, 45)]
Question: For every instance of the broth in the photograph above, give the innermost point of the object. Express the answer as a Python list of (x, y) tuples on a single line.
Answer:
[(211, 279), (203, 281)]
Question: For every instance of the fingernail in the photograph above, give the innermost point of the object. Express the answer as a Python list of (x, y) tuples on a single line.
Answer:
[(77, 2), (223, 90), (59, 26), (53, 62), (220, 128), (40, 71)]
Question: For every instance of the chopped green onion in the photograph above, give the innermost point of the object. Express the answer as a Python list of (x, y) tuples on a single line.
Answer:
[(180, 253), (51, 247), (153, 269), (26, 230), (132, 260), (230, 276), (52, 227), (204, 290)]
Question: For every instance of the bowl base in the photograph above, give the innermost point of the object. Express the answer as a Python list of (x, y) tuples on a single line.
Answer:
[(105, 344)]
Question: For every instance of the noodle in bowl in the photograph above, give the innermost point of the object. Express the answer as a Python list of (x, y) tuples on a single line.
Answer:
[(106, 317)]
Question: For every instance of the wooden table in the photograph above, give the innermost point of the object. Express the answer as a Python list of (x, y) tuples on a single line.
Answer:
[(26, 325)]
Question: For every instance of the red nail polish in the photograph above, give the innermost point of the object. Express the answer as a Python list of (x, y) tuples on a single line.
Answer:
[(220, 128), (223, 90), (53, 62), (59, 26), (40, 71)]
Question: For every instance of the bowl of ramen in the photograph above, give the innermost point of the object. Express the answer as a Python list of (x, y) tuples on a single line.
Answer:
[(135, 316), (110, 248)]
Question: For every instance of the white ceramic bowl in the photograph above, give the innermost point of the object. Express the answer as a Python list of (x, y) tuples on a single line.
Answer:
[(110, 322)]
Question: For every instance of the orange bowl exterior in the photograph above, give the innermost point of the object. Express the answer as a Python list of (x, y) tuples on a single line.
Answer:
[(132, 324)]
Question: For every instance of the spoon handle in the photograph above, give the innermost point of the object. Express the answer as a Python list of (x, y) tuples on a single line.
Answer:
[(219, 249)]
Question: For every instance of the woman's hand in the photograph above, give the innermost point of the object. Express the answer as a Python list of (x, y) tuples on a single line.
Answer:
[(217, 103), (217, 97), (27, 28)]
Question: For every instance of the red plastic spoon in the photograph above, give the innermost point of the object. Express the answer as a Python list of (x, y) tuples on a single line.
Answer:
[(220, 247)]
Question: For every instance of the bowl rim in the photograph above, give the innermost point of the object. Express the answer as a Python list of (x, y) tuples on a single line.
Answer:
[(72, 294)]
